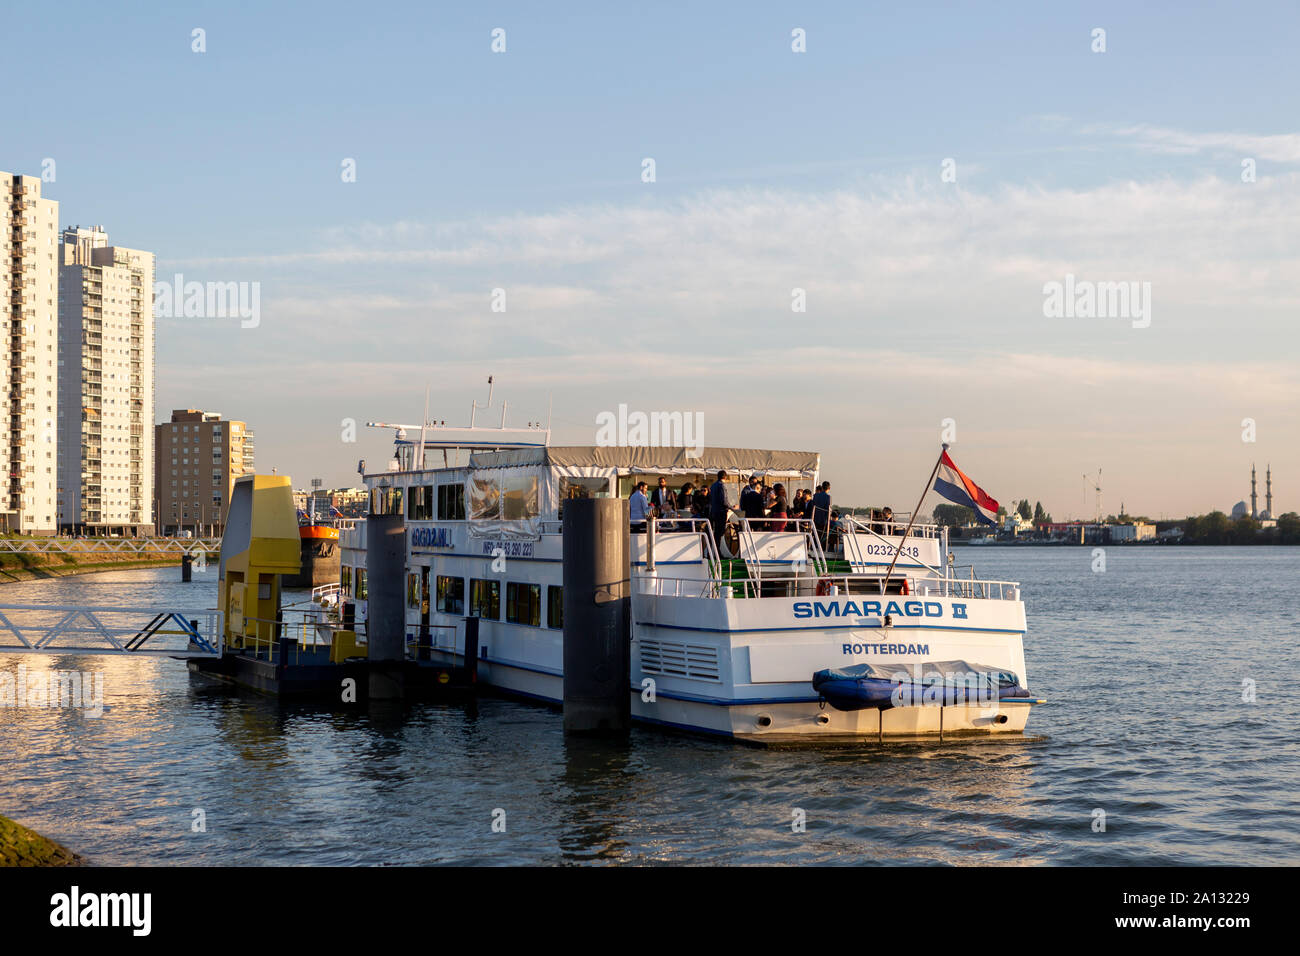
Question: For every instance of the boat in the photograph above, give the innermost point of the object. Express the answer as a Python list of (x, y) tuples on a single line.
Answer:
[(319, 543), (726, 639)]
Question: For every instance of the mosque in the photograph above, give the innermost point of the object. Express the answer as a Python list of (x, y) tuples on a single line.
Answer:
[(1239, 510)]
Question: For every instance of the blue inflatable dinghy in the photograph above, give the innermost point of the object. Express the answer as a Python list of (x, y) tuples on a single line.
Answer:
[(933, 683)]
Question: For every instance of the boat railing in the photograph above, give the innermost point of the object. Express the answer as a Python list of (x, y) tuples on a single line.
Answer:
[(306, 632), (812, 541), (415, 643), (830, 585), (894, 527), (697, 526), (326, 593), (869, 529)]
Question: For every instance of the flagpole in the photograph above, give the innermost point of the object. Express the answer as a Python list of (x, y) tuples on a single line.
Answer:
[(915, 512)]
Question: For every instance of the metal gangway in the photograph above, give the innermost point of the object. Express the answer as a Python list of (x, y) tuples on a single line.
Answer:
[(101, 545), (56, 629)]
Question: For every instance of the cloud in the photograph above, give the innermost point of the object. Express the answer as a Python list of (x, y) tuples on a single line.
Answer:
[(924, 300), (1278, 148)]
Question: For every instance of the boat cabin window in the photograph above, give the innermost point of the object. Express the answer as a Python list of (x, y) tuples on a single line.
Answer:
[(419, 503), (524, 603), (520, 497), (386, 501), (581, 488), (345, 580), (412, 590), (554, 606), (484, 499), (361, 584), (485, 599), (451, 502), (451, 595)]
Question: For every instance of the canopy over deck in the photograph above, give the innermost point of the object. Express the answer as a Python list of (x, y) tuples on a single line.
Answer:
[(626, 460)]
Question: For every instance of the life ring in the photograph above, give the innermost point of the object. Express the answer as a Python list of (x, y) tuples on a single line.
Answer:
[(823, 587), (905, 590)]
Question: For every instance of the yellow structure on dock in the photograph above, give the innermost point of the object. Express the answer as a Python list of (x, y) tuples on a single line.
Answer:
[(260, 544)]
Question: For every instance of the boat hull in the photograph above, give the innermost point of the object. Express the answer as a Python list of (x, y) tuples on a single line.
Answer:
[(320, 555), (767, 722)]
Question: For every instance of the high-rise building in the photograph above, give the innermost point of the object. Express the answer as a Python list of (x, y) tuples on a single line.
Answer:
[(199, 456), (29, 380), (106, 390)]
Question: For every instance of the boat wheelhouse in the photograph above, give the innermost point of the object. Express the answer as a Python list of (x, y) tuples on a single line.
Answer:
[(726, 636)]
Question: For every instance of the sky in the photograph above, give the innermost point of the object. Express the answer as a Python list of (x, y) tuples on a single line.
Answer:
[(915, 179)]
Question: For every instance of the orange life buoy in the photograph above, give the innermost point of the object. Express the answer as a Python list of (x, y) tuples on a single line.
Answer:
[(905, 590), (823, 587)]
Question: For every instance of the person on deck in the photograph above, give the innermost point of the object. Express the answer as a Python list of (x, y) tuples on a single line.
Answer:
[(821, 511), (751, 500), (780, 509), (638, 508), (718, 508), (664, 501)]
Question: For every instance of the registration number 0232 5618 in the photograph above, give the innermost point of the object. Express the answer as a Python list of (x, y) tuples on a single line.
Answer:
[(889, 550)]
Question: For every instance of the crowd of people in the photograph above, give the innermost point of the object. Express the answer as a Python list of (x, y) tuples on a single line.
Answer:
[(768, 507)]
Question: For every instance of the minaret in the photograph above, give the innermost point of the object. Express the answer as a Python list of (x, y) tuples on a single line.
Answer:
[(1253, 496), (1268, 490)]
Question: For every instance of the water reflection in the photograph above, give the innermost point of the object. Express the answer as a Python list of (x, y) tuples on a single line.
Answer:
[(594, 789)]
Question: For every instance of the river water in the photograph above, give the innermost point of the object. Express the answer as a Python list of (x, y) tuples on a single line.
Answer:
[(1143, 665)]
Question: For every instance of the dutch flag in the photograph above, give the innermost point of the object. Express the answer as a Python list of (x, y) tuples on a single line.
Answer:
[(951, 482)]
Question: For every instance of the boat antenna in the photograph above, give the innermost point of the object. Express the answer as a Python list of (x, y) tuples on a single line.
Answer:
[(419, 455), (475, 406)]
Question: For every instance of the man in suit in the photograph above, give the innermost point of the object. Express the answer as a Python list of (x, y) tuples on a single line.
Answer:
[(751, 499), (663, 499), (718, 508)]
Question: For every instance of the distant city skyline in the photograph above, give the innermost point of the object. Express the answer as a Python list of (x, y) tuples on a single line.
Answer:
[(918, 181)]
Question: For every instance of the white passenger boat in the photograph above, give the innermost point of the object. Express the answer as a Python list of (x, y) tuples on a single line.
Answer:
[(722, 642)]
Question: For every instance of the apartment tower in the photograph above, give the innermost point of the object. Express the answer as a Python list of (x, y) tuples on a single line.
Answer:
[(199, 458), (29, 380), (106, 391)]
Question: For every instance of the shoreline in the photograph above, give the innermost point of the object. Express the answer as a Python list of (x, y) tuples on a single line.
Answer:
[(20, 846), (39, 572)]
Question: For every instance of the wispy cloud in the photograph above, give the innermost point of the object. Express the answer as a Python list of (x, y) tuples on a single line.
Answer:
[(1275, 147)]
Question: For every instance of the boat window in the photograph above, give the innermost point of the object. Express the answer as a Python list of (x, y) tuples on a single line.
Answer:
[(419, 504), (345, 581), (581, 488), (412, 590), (386, 501), (524, 603), (451, 502), (554, 606), (361, 584), (520, 498), (484, 499), (451, 595), (485, 599)]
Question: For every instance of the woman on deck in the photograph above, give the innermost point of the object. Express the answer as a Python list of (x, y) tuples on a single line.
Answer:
[(776, 518)]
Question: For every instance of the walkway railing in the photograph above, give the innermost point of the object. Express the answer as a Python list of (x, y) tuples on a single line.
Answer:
[(133, 546), (149, 632)]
